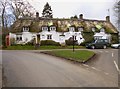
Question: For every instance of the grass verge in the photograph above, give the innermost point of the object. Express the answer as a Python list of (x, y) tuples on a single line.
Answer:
[(77, 55), (29, 47)]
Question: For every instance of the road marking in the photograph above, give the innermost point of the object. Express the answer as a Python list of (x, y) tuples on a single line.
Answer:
[(117, 67), (106, 73), (100, 51), (95, 69), (112, 54), (106, 51), (85, 65)]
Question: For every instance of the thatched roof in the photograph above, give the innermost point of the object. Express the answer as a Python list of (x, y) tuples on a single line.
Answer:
[(63, 24)]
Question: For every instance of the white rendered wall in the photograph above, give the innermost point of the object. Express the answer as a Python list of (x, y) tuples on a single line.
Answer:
[(28, 36)]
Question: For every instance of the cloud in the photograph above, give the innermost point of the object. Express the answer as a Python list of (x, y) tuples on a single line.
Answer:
[(92, 9)]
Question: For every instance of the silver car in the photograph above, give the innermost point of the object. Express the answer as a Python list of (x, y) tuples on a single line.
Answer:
[(116, 46)]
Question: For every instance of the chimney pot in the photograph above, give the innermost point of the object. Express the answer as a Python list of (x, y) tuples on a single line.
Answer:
[(108, 18), (37, 14), (81, 16)]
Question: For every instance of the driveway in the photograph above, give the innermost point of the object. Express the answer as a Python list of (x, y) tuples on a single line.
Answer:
[(30, 69)]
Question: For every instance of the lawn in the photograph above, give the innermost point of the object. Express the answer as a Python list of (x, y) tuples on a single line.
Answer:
[(77, 55), (29, 47)]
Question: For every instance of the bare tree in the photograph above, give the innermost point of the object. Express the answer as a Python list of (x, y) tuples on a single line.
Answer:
[(3, 7), (11, 10), (22, 8)]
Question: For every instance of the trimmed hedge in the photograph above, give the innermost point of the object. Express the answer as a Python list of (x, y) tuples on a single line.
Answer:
[(70, 42), (49, 42)]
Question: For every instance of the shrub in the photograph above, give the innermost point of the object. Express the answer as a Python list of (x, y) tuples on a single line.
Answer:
[(49, 42), (70, 42), (114, 38), (88, 36), (12, 41), (32, 42)]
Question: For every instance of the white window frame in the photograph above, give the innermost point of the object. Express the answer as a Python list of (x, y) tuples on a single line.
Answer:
[(80, 29), (72, 29), (93, 29), (44, 28), (102, 30), (75, 37), (53, 28), (19, 38), (25, 29), (49, 37)]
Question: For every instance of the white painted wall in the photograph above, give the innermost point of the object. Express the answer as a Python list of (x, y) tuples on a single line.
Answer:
[(61, 39), (102, 35), (28, 36)]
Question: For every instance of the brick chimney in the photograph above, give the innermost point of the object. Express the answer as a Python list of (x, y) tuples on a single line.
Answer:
[(81, 16), (37, 14), (108, 18)]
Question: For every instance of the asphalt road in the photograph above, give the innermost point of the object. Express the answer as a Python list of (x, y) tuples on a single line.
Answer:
[(29, 69), (106, 61)]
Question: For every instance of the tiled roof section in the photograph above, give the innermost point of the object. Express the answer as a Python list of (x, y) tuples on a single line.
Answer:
[(62, 24)]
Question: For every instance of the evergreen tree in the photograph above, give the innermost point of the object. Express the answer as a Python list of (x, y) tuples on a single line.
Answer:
[(47, 12), (74, 17)]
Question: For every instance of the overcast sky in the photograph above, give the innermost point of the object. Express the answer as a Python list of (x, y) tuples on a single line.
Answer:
[(91, 9)]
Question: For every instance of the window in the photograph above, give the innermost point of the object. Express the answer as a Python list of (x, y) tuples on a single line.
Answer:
[(44, 28), (43, 36), (72, 29), (102, 30), (93, 29), (80, 29), (74, 37), (53, 28), (19, 37), (49, 37), (25, 29)]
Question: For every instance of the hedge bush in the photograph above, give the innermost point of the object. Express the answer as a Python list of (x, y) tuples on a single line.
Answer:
[(70, 42), (88, 36), (49, 42)]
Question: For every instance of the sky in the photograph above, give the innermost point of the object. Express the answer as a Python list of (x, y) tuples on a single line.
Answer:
[(91, 9)]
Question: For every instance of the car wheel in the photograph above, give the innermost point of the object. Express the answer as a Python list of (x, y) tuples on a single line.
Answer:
[(118, 47), (93, 47), (104, 46)]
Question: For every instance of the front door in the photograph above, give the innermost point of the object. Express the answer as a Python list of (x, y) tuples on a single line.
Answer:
[(38, 39)]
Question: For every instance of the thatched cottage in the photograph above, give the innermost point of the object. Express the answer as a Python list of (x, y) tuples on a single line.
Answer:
[(25, 30)]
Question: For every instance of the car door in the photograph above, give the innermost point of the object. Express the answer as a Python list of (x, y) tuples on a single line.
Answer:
[(98, 44)]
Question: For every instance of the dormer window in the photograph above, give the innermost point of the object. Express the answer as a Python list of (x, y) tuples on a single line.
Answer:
[(72, 29), (53, 28), (80, 29), (102, 30), (25, 29), (93, 29), (45, 28)]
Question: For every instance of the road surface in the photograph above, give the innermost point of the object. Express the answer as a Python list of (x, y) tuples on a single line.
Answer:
[(30, 69)]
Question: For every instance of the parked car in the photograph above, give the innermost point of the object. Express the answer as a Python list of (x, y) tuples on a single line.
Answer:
[(116, 46), (100, 43)]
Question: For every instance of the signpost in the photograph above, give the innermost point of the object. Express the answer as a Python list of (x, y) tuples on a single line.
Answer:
[(73, 43)]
